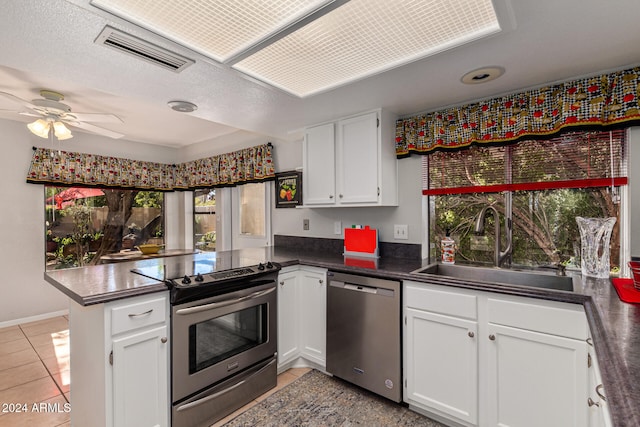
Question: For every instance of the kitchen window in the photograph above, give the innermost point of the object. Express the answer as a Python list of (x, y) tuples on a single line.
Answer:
[(540, 186), (252, 210), (85, 224), (204, 219), (229, 218)]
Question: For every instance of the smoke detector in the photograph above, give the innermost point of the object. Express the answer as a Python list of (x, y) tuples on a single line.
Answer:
[(182, 106)]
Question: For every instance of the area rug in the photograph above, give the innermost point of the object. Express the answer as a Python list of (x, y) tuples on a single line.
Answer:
[(316, 399)]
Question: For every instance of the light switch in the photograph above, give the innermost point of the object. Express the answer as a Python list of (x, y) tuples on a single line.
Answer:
[(337, 227), (305, 224)]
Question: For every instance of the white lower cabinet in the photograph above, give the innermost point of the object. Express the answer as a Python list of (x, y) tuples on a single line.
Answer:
[(120, 362), (313, 314), (599, 415), (302, 314), (140, 379), (288, 317), (474, 358), (441, 353), (535, 379)]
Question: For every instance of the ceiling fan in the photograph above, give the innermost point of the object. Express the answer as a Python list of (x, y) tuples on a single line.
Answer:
[(53, 115)]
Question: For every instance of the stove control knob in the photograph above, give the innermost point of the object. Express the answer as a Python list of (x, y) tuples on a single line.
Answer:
[(269, 264), (199, 278), (186, 280), (261, 266)]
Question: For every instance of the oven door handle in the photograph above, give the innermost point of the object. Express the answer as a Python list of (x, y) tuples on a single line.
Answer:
[(205, 307), (199, 402)]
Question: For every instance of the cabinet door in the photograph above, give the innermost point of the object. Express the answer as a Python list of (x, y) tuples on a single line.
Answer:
[(442, 364), (288, 324), (599, 415), (318, 158), (358, 160), (535, 379), (140, 379), (313, 314)]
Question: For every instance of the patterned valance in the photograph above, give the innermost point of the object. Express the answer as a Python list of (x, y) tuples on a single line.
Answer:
[(252, 164), (595, 103), (64, 168)]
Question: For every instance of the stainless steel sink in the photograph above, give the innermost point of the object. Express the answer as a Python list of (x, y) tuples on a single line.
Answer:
[(501, 276)]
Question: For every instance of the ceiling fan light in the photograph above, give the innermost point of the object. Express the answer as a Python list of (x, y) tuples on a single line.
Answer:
[(61, 131), (40, 128)]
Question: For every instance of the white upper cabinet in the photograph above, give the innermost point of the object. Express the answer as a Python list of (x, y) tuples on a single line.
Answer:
[(351, 162), (356, 175), (319, 168)]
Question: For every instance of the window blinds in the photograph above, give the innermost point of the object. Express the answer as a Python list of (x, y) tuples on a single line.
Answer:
[(573, 160)]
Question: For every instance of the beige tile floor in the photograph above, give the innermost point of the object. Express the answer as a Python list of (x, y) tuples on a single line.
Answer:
[(34, 375)]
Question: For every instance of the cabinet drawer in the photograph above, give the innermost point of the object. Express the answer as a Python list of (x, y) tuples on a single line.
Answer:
[(126, 317), (438, 299), (550, 317)]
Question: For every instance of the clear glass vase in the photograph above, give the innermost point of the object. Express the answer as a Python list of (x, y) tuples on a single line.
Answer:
[(595, 235)]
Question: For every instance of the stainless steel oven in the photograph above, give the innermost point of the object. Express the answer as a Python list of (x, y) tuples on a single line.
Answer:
[(223, 341)]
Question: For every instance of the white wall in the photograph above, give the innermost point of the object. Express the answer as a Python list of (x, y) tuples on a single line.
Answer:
[(25, 294), (288, 156), (321, 220)]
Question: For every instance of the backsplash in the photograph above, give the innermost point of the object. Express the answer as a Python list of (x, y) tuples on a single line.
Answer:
[(386, 249)]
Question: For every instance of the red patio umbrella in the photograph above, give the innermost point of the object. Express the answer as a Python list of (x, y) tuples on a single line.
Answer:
[(67, 197)]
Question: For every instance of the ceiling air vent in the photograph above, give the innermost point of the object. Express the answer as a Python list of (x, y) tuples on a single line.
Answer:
[(142, 49)]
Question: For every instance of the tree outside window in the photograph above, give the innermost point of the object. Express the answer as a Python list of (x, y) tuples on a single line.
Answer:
[(541, 186), (84, 224)]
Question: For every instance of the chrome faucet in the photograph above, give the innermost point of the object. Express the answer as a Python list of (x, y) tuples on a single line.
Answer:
[(498, 255)]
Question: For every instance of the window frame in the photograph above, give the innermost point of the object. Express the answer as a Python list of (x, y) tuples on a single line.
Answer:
[(61, 257), (621, 183), (196, 214)]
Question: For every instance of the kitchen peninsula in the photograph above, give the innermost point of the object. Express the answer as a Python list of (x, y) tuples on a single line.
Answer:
[(614, 325)]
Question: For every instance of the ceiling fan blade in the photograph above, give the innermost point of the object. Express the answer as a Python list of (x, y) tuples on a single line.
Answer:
[(25, 113), (94, 129), (10, 111), (93, 117), (17, 100)]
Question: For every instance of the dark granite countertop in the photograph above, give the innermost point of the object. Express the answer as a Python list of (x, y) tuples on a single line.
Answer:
[(615, 325)]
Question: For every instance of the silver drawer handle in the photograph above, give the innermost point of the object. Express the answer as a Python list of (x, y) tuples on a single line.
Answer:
[(190, 405), (141, 314), (599, 387), (204, 307)]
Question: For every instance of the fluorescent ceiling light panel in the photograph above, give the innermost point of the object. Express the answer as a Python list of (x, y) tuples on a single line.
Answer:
[(273, 41), (365, 37), (219, 29)]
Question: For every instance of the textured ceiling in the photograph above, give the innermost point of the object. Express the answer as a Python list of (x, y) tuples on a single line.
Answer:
[(51, 45)]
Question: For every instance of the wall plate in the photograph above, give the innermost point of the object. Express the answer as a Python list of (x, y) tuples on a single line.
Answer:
[(401, 231)]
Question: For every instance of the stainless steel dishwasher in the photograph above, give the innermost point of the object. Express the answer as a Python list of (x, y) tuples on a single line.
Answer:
[(363, 333)]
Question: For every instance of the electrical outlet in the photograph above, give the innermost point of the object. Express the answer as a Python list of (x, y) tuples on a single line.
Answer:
[(401, 232), (305, 224), (337, 227)]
